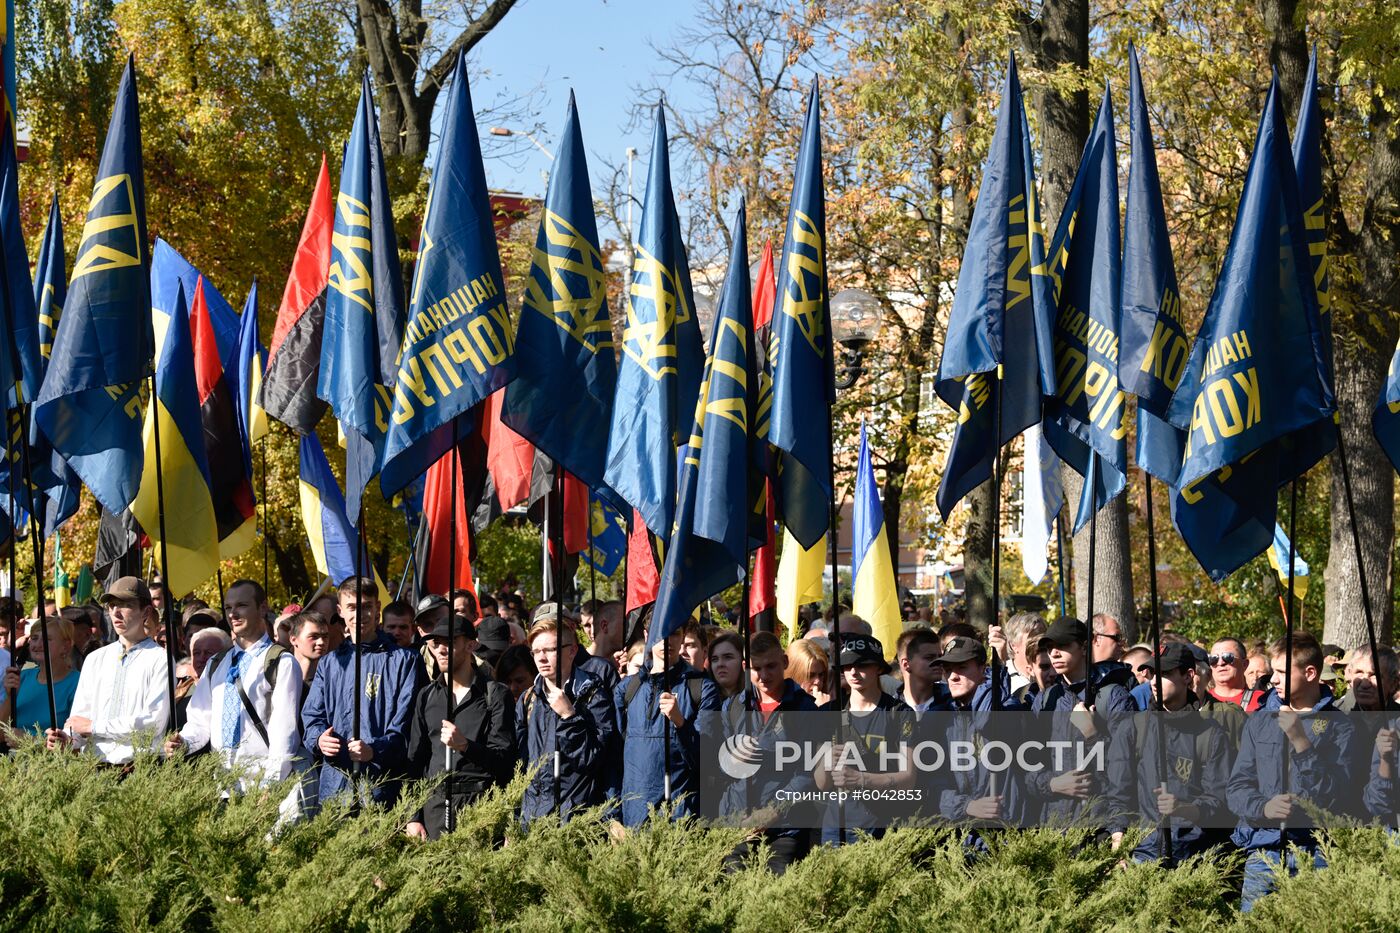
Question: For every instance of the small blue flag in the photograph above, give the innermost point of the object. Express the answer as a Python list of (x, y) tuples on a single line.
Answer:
[(89, 406), (607, 536)]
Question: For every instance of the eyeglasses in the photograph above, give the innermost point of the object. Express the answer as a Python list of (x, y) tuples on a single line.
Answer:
[(1226, 658), (1108, 636)]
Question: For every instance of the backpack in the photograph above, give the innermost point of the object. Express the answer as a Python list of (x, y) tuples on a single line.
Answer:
[(694, 684), (270, 666)]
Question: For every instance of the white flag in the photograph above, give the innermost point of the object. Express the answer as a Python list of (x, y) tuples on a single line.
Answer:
[(1041, 500)]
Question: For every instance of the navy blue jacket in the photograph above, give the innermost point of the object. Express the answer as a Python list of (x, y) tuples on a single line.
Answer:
[(1380, 794), (1190, 779), (583, 739), (643, 740), (1111, 796), (390, 678), (741, 796), (604, 669), (1323, 774), (961, 723)]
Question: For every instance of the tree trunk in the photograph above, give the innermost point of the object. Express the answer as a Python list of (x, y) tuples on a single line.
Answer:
[(1061, 37), (977, 556), (291, 567), (1366, 311), (1288, 48)]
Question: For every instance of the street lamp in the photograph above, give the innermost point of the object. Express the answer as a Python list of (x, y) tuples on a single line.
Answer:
[(705, 308), (507, 131), (855, 322)]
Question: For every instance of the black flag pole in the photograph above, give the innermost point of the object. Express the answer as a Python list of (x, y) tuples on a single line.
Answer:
[(450, 818), (1164, 826), (16, 615), (359, 628), (1288, 625), (554, 515), (168, 617), (264, 511), (1091, 487)]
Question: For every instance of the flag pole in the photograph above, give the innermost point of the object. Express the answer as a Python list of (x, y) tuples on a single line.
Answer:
[(359, 629), (16, 615), (412, 555), (1288, 625), (1164, 830), (996, 544), (264, 511), (1091, 485), (450, 821), (167, 602), (554, 515), (1360, 563), (1060, 556), (839, 687), (219, 579)]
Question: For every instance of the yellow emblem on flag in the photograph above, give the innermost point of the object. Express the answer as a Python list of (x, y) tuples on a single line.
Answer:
[(111, 225), (350, 272), (582, 315), (805, 284), (652, 342)]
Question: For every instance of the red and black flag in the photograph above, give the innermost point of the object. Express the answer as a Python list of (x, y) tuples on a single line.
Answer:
[(230, 490), (763, 601), (294, 359)]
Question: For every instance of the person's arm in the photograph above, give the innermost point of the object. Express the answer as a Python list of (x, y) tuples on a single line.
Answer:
[(1215, 779), (584, 735), (391, 747), (498, 749), (284, 744), (315, 714), (195, 733), (1323, 771), (522, 727), (1242, 793), (688, 735), (151, 710)]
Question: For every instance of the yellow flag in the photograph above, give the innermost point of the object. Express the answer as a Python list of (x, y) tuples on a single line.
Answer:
[(799, 578)]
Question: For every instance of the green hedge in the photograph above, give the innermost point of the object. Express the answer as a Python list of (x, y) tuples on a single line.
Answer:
[(82, 850)]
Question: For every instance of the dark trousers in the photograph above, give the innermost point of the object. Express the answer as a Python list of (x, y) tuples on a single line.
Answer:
[(783, 851)]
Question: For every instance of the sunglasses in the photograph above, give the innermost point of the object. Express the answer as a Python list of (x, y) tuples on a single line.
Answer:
[(1226, 658)]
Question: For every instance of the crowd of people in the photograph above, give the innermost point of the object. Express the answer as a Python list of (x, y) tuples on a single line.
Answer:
[(350, 698)]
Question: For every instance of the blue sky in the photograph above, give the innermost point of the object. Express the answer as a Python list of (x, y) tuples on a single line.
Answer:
[(599, 48)]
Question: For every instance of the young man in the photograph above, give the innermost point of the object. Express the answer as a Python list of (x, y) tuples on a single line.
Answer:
[(918, 651), (645, 702), (244, 706), (123, 699), (564, 726), (1187, 786), (1300, 721), (1085, 707), (1228, 660), (493, 637), (389, 679), (872, 732), (398, 623), (603, 626), (474, 726), (751, 713), (974, 794), (310, 643), (464, 604)]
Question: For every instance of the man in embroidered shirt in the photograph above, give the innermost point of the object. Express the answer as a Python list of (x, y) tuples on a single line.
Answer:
[(245, 705), (123, 699)]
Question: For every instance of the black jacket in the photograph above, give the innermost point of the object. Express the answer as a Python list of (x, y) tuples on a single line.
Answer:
[(486, 718)]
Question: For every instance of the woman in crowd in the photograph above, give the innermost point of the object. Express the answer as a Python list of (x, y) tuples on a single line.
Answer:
[(516, 669), (810, 668), (29, 687), (726, 657)]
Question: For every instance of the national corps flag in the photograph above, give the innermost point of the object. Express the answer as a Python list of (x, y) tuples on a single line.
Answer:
[(659, 376), (998, 340), (90, 405), (1086, 420), (364, 306), (459, 345), (562, 397), (607, 537), (804, 386), (1256, 375)]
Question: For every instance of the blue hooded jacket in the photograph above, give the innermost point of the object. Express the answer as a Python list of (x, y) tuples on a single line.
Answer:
[(737, 720), (1324, 774), (390, 678), (643, 740), (583, 739)]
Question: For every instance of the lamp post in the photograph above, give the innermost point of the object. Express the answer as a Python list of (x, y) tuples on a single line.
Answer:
[(855, 322), (507, 131)]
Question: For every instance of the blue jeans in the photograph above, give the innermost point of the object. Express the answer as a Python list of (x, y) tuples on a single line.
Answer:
[(1260, 869)]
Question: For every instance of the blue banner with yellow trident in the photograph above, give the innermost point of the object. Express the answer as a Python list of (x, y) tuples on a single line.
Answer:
[(562, 397), (1086, 420), (1256, 373), (364, 305), (459, 345), (710, 543), (662, 357), (607, 537), (997, 355), (803, 378), (89, 406)]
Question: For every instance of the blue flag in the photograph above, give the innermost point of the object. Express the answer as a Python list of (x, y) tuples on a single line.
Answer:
[(171, 272), (247, 377), (56, 481), (1256, 373), (561, 400), (999, 329), (662, 357), (1385, 419), (1088, 417), (710, 543), (364, 306), (89, 406), (607, 536), (459, 345), (20, 382), (803, 376), (330, 533), (1153, 346)]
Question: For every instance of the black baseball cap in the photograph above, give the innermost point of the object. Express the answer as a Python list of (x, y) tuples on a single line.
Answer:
[(962, 649), (863, 649), (430, 603), (1174, 657), (494, 633), (456, 625), (1064, 631)]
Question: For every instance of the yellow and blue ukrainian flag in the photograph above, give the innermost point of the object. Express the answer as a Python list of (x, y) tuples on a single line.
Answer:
[(874, 596), (330, 532), (190, 547), (247, 378)]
